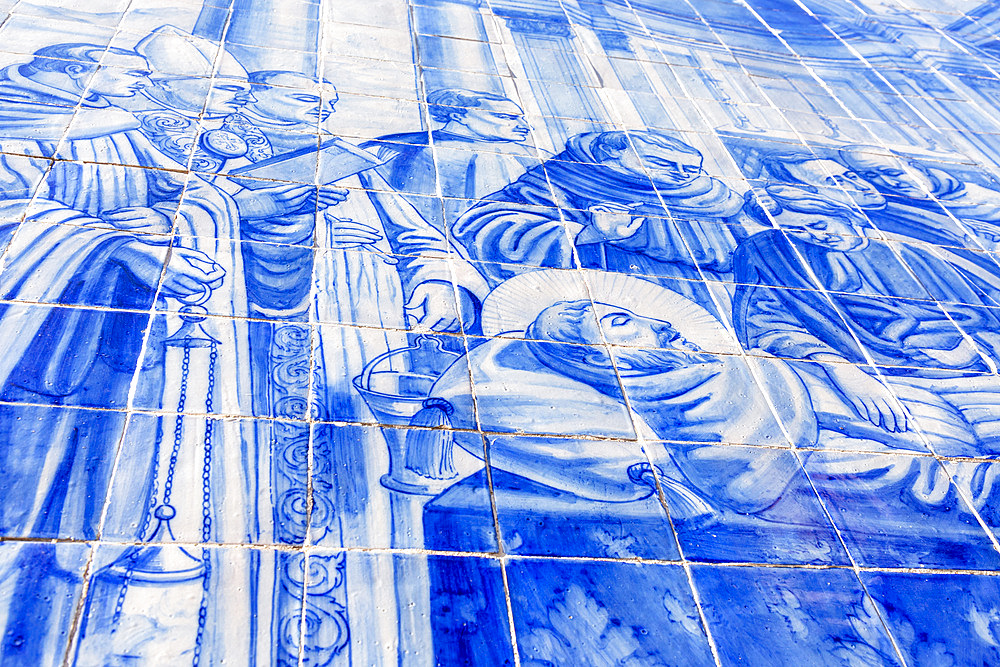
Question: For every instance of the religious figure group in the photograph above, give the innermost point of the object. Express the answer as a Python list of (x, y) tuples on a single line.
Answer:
[(149, 267)]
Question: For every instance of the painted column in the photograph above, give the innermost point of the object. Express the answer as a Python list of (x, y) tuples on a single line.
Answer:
[(453, 46), (293, 27), (544, 43)]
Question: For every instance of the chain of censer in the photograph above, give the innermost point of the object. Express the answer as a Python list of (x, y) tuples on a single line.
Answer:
[(206, 492)]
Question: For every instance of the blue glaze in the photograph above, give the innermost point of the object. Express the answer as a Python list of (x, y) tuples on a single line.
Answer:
[(448, 332)]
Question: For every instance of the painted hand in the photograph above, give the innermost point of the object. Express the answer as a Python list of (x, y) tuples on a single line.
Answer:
[(433, 306), (988, 230), (139, 219), (186, 275), (870, 399), (614, 221), (286, 199), (346, 233)]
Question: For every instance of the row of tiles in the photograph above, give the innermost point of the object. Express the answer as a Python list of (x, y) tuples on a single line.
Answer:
[(705, 21), (772, 405), (726, 503), (560, 611)]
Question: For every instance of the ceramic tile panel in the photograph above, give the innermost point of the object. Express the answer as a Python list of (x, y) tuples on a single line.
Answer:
[(540, 333)]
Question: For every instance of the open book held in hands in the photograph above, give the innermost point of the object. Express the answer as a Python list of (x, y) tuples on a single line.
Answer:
[(324, 164)]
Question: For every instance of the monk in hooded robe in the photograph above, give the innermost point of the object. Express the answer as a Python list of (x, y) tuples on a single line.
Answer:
[(85, 230), (636, 203)]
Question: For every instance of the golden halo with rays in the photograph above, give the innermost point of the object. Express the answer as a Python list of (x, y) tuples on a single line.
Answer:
[(515, 303)]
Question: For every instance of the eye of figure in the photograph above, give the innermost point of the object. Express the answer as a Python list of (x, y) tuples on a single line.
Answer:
[(619, 319), (506, 116), (306, 98)]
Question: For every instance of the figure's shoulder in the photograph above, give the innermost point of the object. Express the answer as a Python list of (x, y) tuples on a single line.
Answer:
[(414, 139), (763, 238)]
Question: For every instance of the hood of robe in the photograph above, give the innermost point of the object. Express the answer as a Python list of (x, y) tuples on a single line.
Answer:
[(578, 170)]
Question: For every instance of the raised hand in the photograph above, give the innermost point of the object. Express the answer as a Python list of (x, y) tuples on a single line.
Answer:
[(286, 199), (612, 221), (433, 307), (346, 233)]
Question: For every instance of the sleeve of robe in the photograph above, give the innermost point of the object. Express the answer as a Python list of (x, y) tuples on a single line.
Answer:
[(202, 209), (205, 218), (515, 233), (425, 254), (769, 319), (976, 203), (57, 255)]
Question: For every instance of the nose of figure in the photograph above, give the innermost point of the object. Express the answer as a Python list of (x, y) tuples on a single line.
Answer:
[(666, 333)]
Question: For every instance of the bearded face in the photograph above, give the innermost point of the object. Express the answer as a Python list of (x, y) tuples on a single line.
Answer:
[(642, 345), (643, 361)]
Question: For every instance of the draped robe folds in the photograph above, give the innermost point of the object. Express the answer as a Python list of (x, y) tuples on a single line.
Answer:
[(64, 252), (463, 168), (952, 409), (928, 218), (908, 219), (898, 334), (964, 199), (528, 223), (310, 278), (519, 390)]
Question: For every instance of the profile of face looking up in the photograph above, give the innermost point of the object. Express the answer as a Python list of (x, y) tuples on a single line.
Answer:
[(477, 115), (292, 98), (582, 323)]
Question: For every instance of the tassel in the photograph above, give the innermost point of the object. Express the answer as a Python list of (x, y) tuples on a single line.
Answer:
[(686, 506), (429, 452)]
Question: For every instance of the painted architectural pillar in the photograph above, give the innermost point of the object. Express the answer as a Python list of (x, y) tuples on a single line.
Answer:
[(293, 27), (621, 57), (453, 46), (558, 80)]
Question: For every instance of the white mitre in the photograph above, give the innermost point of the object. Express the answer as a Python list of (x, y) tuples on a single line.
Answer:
[(173, 52)]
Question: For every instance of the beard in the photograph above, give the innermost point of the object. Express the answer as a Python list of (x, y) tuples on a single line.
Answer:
[(651, 362)]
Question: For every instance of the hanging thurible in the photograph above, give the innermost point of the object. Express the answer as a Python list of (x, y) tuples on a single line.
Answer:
[(152, 601)]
